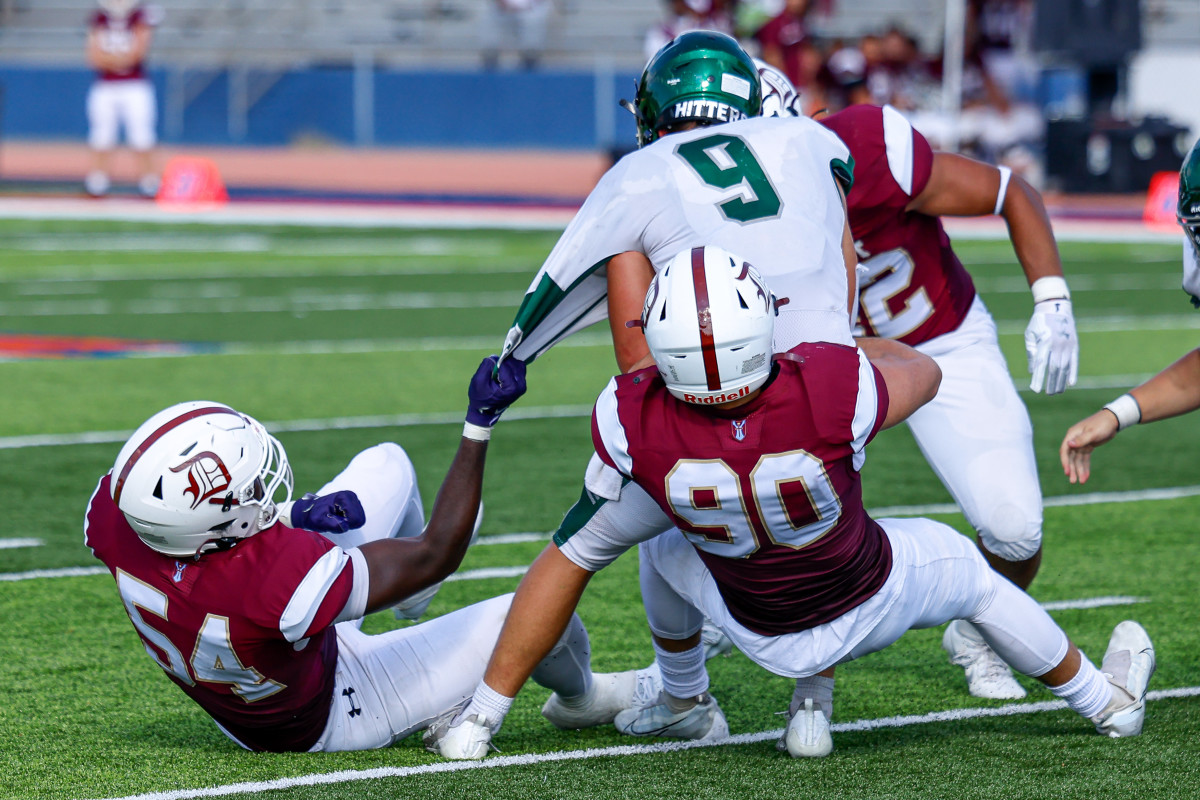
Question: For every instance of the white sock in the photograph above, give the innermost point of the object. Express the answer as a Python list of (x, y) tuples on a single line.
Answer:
[(683, 674), (489, 704), (1088, 693), (820, 689)]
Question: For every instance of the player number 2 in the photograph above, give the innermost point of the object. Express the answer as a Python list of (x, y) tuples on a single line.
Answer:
[(213, 659), (794, 501), (888, 307), (726, 162)]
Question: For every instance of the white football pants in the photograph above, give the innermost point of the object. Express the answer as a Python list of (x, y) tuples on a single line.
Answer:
[(977, 437), (391, 684), (111, 104), (937, 575)]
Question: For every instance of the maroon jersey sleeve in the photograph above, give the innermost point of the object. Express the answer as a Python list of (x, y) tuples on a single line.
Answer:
[(912, 287)]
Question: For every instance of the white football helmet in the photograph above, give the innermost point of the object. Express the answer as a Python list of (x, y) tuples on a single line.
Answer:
[(779, 96), (198, 473), (709, 319)]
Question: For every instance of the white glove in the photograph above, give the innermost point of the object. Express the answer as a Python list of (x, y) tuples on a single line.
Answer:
[(1052, 346)]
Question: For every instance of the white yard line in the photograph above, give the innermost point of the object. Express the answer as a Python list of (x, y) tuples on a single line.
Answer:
[(500, 762), (13, 544)]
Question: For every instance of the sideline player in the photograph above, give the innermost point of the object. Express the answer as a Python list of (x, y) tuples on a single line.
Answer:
[(253, 606), (976, 434), (756, 460), (1173, 391), (119, 35)]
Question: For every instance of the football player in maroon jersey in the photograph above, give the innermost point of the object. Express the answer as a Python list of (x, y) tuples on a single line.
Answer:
[(119, 35), (755, 460), (251, 602), (976, 434)]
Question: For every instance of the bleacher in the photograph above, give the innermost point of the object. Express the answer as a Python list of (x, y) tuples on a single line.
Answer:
[(583, 33)]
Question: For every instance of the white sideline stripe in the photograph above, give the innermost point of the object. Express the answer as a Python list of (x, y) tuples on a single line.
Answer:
[(300, 425), (12, 544), (433, 418), (62, 572), (513, 538), (1092, 498), (488, 572), (346, 776)]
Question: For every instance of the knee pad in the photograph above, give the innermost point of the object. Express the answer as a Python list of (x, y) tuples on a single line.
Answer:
[(1012, 533)]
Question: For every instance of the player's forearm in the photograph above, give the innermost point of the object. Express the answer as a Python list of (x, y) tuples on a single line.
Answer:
[(541, 609), (1030, 231), (1174, 391), (457, 505)]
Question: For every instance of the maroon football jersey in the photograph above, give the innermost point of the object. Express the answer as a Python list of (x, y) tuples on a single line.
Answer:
[(246, 632), (769, 493), (116, 36), (915, 287)]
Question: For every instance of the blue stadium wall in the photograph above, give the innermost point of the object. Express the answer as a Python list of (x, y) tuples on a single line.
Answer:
[(469, 109)]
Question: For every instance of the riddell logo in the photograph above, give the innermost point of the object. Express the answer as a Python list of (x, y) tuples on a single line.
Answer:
[(207, 476), (720, 398)]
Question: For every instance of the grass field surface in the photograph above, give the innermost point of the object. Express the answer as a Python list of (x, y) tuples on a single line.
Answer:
[(340, 339)]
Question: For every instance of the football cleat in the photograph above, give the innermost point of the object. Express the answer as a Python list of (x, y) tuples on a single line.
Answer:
[(987, 674), (611, 693), (715, 642), (702, 722), (1128, 664), (807, 734), (467, 739)]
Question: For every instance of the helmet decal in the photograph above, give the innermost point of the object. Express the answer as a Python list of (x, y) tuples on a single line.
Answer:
[(207, 476), (119, 483)]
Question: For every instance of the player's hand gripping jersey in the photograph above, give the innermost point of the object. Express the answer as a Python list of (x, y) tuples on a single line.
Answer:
[(764, 188), (260, 660), (912, 287), (768, 493)]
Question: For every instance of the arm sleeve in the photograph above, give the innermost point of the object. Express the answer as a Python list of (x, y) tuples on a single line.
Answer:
[(608, 434), (596, 531), (322, 575)]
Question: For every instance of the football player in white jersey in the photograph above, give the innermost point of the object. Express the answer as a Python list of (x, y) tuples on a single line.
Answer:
[(1173, 391), (770, 189)]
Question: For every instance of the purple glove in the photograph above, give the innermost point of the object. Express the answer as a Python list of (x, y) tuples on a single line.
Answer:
[(493, 389), (333, 513)]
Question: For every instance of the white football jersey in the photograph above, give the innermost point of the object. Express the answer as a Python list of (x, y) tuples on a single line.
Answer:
[(765, 189)]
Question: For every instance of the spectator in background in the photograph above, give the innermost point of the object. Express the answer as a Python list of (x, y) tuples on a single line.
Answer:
[(119, 35), (688, 15), (787, 46), (518, 24)]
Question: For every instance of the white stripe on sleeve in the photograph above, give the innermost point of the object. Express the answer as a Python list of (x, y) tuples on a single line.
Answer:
[(310, 594), (612, 433), (360, 585), (898, 140), (866, 408)]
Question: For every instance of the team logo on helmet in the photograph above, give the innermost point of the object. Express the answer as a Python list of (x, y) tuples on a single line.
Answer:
[(207, 476)]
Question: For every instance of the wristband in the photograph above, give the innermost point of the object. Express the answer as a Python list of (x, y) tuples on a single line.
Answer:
[(1051, 287), (1005, 174), (476, 433), (1127, 411)]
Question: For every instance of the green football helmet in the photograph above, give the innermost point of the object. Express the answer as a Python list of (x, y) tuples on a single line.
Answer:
[(1188, 211), (703, 76)]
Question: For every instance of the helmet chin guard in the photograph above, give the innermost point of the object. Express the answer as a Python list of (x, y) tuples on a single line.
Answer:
[(709, 319), (197, 475)]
